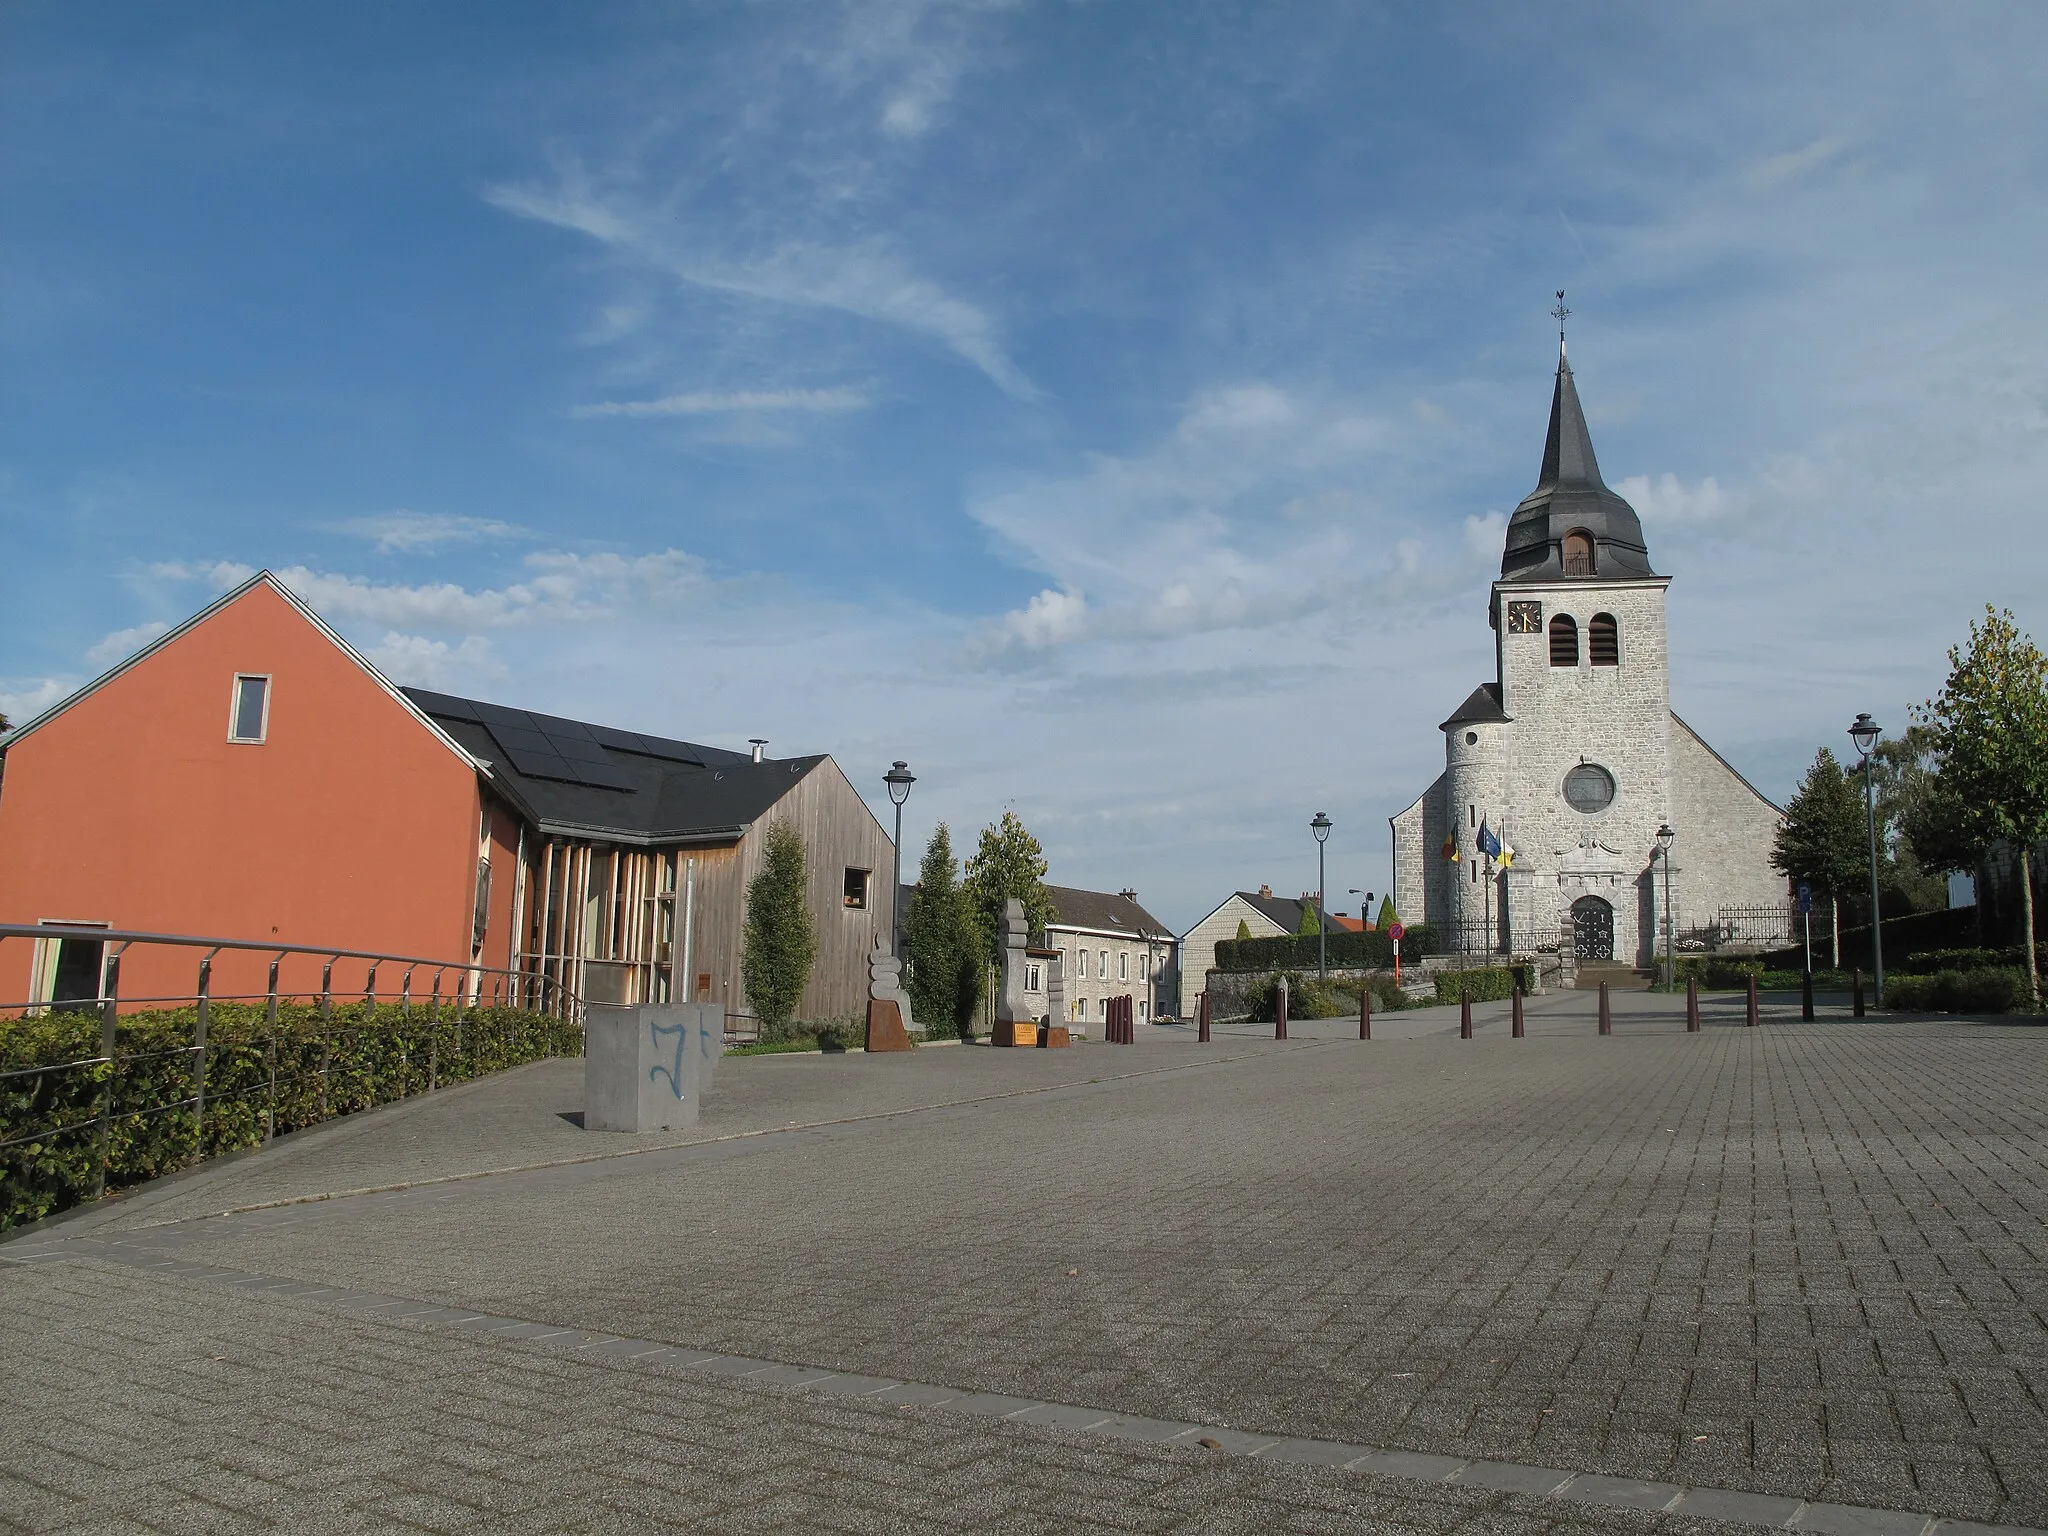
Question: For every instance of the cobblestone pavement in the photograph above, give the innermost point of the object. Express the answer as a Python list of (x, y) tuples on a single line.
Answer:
[(1801, 1260)]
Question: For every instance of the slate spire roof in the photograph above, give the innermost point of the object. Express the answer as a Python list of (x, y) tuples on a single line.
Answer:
[(1570, 496)]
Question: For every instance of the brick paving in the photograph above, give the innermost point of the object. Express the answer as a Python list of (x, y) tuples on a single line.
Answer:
[(1802, 1260)]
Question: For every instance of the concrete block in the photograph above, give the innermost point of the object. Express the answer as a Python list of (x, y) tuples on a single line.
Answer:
[(647, 1068)]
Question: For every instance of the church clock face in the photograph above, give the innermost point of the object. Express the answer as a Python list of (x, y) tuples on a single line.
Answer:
[(1525, 618)]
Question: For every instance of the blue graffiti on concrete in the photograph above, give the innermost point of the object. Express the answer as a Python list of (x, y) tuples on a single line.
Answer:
[(674, 1073)]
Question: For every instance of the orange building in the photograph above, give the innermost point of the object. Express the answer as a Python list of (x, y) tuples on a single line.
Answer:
[(250, 776)]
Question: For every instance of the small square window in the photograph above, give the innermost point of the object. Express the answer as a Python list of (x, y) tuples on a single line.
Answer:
[(856, 887), (249, 720)]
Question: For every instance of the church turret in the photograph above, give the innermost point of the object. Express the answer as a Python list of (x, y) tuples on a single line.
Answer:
[(1572, 524)]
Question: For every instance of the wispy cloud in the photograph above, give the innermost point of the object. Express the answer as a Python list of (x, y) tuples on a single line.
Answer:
[(23, 698), (720, 402), (402, 532), (561, 587), (422, 662), (869, 278), (123, 642)]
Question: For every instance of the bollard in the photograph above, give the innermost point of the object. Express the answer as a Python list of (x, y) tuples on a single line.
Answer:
[(1856, 977), (1517, 1033), (1464, 1015), (1752, 1004), (1692, 1005), (1606, 1012), (1202, 1015), (1280, 1009), (1806, 996), (1364, 1011)]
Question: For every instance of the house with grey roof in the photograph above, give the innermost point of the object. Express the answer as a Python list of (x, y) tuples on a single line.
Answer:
[(636, 852), (1105, 945), (1264, 916)]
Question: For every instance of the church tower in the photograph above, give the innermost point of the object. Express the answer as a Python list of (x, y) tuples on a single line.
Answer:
[(1572, 757), (1578, 618)]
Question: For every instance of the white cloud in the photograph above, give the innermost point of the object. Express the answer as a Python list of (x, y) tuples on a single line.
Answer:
[(427, 663), (1777, 170), (124, 642), (1666, 499), (403, 532), (1050, 618), (23, 698), (1484, 536), (716, 402)]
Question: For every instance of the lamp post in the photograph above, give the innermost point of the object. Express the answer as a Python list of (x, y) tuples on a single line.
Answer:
[(1865, 733), (1665, 837), (1321, 827), (1364, 908), (899, 778)]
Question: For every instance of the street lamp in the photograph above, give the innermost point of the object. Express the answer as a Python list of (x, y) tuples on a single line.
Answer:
[(1321, 827), (1865, 733), (1665, 837), (899, 778), (1364, 908)]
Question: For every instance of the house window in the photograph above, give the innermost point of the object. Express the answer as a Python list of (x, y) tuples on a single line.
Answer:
[(1034, 979), (856, 888), (1123, 965), (1564, 641), (480, 921), (1081, 1008), (1578, 553), (249, 714), (1603, 640), (1102, 963)]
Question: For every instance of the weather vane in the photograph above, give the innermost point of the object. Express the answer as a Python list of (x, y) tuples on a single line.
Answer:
[(1558, 314)]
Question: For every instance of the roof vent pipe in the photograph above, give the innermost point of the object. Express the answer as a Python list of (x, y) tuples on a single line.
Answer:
[(758, 743)]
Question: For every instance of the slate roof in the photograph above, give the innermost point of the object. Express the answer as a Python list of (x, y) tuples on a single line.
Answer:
[(1286, 911), (1105, 910), (1481, 707), (581, 780), (1570, 494)]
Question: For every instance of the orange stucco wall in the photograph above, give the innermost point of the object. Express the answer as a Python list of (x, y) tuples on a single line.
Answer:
[(352, 824)]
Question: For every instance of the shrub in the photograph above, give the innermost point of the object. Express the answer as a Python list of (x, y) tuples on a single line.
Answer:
[(1929, 961), (1975, 991), (370, 1056), (1288, 952), (1482, 986), (1306, 999)]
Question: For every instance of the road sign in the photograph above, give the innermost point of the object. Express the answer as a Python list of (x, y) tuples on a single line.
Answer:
[(1805, 898), (1396, 932)]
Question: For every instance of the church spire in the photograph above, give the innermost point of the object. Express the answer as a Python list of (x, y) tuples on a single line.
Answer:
[(1571, 505)]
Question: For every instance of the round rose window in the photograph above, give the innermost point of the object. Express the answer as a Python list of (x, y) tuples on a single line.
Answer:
[(1589, 788)]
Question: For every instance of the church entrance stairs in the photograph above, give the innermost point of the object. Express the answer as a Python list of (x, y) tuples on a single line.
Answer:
[(1619, 978)]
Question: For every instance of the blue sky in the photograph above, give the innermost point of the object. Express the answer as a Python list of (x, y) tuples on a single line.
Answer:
[(1111, 408)]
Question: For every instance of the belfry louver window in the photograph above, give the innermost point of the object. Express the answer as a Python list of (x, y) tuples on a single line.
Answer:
[(1603, 641), (1564, 641)]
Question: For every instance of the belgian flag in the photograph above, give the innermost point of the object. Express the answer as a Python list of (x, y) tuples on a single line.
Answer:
[(1451, 847)]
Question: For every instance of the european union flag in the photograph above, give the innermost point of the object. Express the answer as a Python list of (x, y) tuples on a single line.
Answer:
[(1488, 843)]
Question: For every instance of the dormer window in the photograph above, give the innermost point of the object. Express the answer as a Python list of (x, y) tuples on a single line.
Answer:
[(1577, 549), (1564, 641)]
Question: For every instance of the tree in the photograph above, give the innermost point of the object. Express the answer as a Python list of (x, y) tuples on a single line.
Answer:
[(1823, 840), (1919, 841), (1244, 929), (1990, 725), (1008, 862), (775, 961), (1311, 921), (1387, 913), (941, 958)]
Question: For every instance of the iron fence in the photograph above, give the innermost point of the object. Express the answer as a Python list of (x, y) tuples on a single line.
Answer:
[(99, 1087)]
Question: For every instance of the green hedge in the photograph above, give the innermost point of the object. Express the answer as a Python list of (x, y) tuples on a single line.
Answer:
[(1978, 991), (371, 1056), (1912, 934), (1352, 951), (1483, 986)]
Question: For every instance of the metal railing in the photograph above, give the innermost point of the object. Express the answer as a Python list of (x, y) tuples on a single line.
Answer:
[(459, 1018)]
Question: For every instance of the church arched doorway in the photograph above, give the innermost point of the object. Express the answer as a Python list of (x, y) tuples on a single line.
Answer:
[(1592, 929)]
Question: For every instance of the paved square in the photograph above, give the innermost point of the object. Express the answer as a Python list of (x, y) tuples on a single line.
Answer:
[(1803, 1261)]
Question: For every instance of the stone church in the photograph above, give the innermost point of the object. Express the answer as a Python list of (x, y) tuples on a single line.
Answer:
[(1572, 759)]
